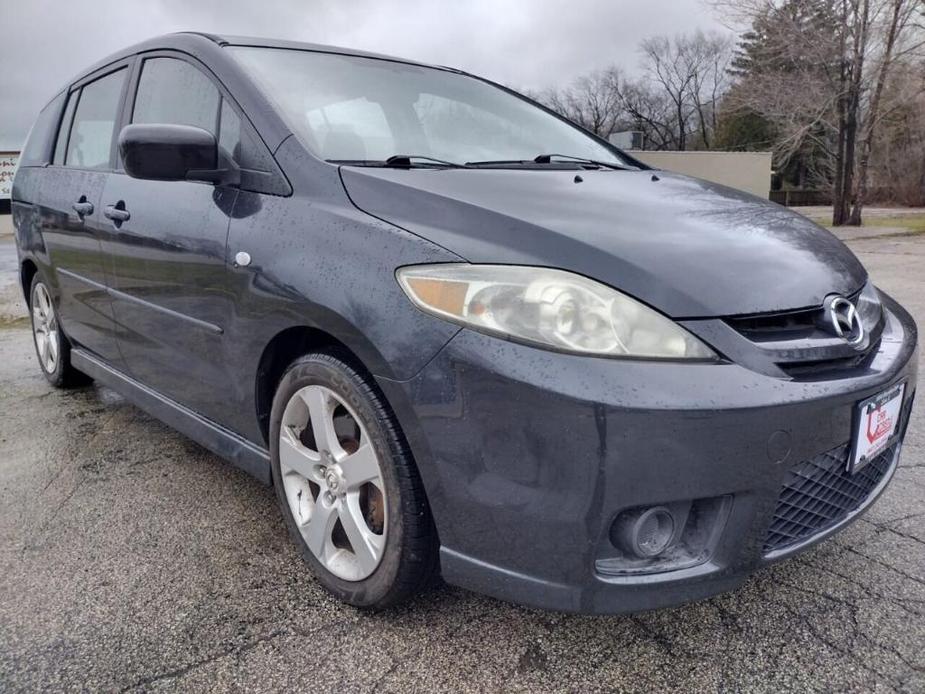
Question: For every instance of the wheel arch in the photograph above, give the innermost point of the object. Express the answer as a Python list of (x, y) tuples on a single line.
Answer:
[(27, 272), (285, 347)]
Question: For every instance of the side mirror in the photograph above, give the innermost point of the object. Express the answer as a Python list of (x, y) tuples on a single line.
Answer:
[(163, 152)]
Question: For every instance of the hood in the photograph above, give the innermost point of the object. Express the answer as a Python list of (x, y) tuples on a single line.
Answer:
[(687, 247)]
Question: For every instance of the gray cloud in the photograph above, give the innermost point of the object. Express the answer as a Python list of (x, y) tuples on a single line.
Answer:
[(524, 43)]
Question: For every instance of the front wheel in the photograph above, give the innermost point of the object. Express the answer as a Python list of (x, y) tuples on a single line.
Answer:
[(347, 485)]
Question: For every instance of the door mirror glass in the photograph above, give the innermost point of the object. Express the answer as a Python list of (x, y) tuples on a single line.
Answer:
[(166, 152)]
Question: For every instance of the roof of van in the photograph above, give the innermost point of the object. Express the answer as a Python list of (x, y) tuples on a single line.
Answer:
[(226, 40)]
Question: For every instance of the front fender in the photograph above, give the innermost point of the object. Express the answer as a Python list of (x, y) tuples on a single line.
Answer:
[(326, 266)]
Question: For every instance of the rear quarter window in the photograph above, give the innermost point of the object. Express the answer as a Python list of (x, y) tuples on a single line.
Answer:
[(39, 143)]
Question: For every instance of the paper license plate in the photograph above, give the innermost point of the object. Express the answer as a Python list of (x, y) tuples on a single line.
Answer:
[(875, 426)]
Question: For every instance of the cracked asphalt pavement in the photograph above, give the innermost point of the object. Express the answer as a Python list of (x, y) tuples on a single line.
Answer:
[(134, 560)]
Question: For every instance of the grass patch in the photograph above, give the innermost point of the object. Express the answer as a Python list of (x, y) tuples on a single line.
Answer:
[(15, 322), (908, 223)]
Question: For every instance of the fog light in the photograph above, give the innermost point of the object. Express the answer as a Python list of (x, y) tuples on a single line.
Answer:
[(667, 537), (644, 532)]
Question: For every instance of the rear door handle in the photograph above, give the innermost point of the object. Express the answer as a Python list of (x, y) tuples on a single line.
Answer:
[(117, 213), (82, 207)]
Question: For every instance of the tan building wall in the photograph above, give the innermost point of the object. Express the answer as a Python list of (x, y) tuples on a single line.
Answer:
[(748, 171)]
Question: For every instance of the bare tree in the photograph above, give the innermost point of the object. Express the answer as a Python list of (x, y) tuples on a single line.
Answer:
[(900, 14), (692, 71), (593, 101), (897, 162), (809, 70), (817, 74), (650, 112), (853, 31), (668, 64), (713, 54), (686, 76)]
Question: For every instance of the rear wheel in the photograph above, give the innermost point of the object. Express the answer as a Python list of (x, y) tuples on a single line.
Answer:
[(51, 346), (347, 485)]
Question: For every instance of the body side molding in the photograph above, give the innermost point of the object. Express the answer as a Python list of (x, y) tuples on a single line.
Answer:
[(201, 324)]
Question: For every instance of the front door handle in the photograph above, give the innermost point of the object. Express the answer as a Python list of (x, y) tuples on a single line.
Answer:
[(82, 207), (117, 213)]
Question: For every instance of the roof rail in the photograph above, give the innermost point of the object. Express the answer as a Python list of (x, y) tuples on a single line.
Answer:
[(212, 37)]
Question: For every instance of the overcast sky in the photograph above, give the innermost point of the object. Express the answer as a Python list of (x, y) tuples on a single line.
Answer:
[(524, 43)]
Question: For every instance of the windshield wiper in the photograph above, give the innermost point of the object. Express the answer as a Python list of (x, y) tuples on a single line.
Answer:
[(544, 160), (500, 163), (548, 159), (412, 161), (401, 161), (406, 161)]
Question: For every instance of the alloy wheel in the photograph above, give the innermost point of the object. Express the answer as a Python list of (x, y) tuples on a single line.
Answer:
[(333, 482), (45, 328)]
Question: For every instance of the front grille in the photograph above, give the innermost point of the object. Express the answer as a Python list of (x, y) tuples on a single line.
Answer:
[(767, 327), (786, 325), (821, 367), (820, 492), (801, 344)]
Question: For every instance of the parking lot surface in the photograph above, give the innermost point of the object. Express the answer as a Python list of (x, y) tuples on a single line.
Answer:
[(134, 560)]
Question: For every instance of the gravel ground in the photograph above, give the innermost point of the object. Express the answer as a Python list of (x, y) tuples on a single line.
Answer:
[(132, 560)]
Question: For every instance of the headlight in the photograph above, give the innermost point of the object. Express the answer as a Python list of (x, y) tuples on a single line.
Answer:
[(550, 308), (869, 306)]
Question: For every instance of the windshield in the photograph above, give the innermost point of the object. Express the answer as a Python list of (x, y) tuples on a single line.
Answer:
[(355, 109)]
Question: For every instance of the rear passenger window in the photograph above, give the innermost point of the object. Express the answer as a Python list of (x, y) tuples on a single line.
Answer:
[(64, 129), (90, 143), (173, 91)]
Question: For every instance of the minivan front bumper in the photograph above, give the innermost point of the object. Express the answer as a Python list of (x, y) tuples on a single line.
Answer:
[(529, 456)]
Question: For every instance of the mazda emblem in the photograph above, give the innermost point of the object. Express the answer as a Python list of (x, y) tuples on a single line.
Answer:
[(845, 320)]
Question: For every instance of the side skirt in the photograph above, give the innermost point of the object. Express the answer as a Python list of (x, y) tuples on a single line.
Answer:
[(240, 452)]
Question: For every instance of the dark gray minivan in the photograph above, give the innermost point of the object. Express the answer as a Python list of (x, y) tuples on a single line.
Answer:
[(457, 333)]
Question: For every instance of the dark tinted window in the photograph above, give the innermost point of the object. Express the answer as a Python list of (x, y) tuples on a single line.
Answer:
[(38, 145), (65, 127), (173, 91), (90, 143)]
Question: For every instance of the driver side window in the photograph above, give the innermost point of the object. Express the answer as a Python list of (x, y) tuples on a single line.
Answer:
[(173, 91)]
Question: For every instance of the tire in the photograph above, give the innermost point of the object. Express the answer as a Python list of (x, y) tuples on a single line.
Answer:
[(51, 346), (324, 472)]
